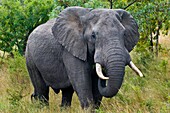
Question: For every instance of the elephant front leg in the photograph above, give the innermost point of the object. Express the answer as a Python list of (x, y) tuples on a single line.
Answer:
[(85, 97), (79, 75), (96, 94), (83, 88)]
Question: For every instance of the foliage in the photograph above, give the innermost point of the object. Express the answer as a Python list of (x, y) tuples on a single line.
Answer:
[(152, 17), (62, 4), (18, 19)]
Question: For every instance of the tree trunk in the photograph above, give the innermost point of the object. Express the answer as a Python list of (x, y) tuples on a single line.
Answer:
[(130, 4), (151, 41), (111, 4), (157, 37)]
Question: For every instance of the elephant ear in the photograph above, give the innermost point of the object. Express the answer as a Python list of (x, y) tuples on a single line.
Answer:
[(131, 35), (68, 30)]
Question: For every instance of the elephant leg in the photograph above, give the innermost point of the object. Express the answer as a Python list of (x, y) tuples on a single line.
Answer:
[(82, 87), (67, 94), (85, 97), (41, 90), (96, 94), (79, 75)]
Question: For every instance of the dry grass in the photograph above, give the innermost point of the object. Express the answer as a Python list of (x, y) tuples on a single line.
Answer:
[(165, 40)]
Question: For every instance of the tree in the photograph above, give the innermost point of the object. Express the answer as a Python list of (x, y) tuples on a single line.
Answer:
[(152, 17), (62, 4), (18, 19)]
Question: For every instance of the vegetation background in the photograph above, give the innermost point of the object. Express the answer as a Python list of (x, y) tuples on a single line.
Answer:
[(151, 94)]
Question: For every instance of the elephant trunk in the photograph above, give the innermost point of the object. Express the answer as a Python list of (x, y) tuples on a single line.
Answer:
[(115, 70)]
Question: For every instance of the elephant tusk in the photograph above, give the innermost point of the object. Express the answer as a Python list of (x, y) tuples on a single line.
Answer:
[(133, 67), (99, 72)]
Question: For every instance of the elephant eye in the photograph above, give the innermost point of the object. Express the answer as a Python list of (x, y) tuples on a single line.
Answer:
[(93, 35)]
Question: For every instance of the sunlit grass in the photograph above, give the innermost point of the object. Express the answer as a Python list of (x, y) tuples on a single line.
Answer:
[(137, 95)]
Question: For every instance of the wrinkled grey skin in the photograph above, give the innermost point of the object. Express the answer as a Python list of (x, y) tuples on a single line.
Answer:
[(61, 54)]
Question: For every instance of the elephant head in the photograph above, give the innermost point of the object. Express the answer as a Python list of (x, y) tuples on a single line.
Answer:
[(105, 35)]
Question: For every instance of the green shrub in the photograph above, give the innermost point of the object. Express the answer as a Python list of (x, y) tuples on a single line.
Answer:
[(18, 19)]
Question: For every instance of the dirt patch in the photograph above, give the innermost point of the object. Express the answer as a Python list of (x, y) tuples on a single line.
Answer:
[(165, 40)]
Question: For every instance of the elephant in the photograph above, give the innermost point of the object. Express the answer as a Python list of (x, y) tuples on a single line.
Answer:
[(79, 51)]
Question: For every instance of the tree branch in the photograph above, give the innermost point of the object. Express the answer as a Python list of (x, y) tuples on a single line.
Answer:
[(111, 4), (130, 4)]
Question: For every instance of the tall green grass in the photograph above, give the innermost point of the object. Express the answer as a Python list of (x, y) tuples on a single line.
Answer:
[(137, 95)]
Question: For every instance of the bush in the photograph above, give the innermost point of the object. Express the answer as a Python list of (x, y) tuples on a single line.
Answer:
[(18, 19)]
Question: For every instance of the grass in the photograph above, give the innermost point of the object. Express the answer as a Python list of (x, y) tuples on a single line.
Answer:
[(137, 95)]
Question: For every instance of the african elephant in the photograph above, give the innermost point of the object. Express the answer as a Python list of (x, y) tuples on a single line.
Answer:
[(68, 54)]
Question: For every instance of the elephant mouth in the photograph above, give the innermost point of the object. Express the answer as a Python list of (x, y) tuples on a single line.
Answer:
[(101, 75)]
